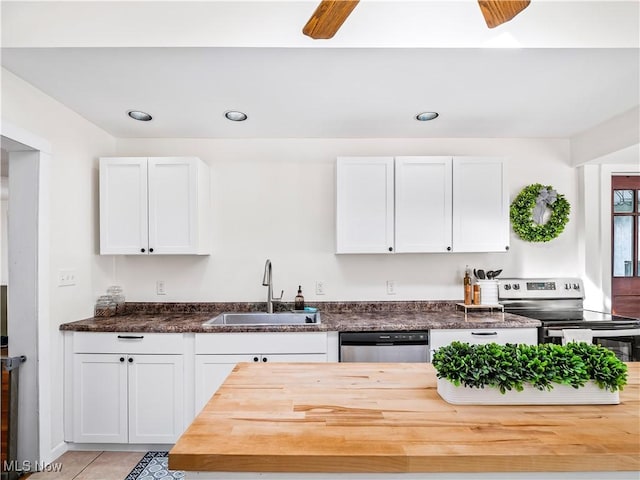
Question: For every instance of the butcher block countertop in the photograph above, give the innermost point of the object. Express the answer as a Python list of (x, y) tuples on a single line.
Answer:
[(388, 417), (335, 317)]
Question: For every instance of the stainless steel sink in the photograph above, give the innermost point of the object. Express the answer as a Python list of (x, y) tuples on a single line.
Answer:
[(261, 318)]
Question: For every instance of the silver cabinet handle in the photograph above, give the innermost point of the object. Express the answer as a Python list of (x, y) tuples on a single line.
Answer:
[(484, 334)]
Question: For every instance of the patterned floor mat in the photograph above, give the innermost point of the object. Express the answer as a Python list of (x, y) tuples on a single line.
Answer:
[(153, 466)]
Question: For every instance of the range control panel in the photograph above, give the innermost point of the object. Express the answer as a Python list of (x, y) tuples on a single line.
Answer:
[(522, 288)]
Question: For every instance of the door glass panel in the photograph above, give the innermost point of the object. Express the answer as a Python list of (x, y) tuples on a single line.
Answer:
[(638, 201), (622, 246), (638, 245), (622, 201)]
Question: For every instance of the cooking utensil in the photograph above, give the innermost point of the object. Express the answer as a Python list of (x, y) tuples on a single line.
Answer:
[(481, 274), (475, 274), (496, 273), (489, 274)]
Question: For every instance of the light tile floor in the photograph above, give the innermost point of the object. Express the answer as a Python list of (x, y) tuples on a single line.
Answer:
[(92, 466)]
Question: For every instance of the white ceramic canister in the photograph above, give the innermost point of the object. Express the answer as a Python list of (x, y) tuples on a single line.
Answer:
[(488, 292)]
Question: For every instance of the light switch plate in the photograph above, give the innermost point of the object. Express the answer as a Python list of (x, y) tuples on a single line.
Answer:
[(391, 287), (66, 277), (160, 290), (319, 287)]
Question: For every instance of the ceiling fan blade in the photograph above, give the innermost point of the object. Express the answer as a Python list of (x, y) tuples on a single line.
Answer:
[(328, 18), (497, 12)]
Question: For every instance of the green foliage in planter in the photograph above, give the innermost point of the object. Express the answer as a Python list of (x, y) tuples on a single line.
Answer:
[(602, 365), (508, 367)]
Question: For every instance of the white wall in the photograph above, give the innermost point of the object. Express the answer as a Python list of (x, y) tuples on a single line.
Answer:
[(4, 207), (618, 134), (4, 272), (76, 145), (596, 180), (276, 198)]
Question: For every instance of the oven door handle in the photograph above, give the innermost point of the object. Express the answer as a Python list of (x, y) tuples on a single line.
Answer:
[(484, 334)]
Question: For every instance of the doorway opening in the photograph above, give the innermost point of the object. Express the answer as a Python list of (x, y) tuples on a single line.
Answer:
[(25, 263), (625, 247)]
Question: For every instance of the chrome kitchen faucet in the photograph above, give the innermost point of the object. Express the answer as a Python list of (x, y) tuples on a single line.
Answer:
[(267, 281)]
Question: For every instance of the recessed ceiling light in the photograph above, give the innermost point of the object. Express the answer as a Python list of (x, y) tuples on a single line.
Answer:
[(235, 116), (138, 115), (426, 116)]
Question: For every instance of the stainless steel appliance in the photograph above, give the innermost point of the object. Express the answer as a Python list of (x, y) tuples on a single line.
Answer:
[(558, 304), (412, 347)]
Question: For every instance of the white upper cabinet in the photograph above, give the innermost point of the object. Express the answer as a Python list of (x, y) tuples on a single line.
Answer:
[(480, 205), (154, 206), (364, 213), (421, 204), (123, 205)]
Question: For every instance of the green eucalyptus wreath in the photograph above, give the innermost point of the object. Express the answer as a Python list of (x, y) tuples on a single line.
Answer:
[(527, 209)]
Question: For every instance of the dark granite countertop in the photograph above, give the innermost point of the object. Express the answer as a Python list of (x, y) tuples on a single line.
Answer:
[(335, 316)]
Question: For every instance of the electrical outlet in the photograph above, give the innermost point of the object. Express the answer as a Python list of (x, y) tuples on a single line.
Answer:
[(319, 287), (391, 287), (66, 277), (160, 288)]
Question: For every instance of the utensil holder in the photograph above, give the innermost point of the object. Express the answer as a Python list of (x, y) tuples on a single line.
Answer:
[(488, 292)]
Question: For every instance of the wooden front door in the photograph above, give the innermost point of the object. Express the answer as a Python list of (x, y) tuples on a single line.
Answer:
[(625, 248)]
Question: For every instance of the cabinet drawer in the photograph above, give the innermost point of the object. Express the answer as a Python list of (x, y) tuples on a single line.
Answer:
[(127, 342), (440, 338), (262, 343)]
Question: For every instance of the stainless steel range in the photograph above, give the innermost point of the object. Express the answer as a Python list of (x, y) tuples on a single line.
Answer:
[(558, 304)]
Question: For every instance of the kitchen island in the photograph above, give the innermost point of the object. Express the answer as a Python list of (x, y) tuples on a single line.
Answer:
[(330, 421)]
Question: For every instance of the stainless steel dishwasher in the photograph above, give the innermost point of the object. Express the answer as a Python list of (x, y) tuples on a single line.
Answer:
[(412, 347)]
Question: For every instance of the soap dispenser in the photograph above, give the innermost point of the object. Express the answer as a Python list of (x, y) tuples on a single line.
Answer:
[(299, 301)]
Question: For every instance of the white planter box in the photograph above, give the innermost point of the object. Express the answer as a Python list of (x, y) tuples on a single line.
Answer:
[(590, 394)]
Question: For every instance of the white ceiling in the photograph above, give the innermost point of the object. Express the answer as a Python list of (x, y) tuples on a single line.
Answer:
[(102, 59)]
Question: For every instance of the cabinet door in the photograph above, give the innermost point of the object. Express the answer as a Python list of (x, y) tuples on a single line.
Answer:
[(123, 206), (211, 372), (480, 205), (156, 389), (99, 398), (364, 205), (423, 204), (174, 192)]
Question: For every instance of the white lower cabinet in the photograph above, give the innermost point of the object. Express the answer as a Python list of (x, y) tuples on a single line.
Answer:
[(156, 409), (475, 336), (212, 370), (141, 388), (100, 399), (218, 353), (126, 396)]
